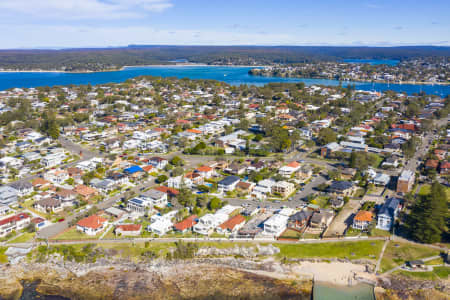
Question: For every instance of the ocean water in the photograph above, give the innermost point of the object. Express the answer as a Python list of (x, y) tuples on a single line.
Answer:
[(389, 62), (325, 291), (230, 75)]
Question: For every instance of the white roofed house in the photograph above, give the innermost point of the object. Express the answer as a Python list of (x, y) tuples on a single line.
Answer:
[(10, 162), (139, 205), (178, 182), (161, 226), (158, 162), (289, 169), (156, 198), (283, 188), (209, 222), (8, 195), (53, 159), (57, 176), (275, 225)]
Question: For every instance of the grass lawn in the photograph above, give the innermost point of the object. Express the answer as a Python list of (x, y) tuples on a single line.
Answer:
[(322, 201), (424, 190), (437, 273), (360, 192), (3, 257), (110, 234), (354, 232), (351, 250), (74, 234), (380, 232), (437, 261), (27, 236), (310, 235), (396, 256), (291, 234), (134, 250)]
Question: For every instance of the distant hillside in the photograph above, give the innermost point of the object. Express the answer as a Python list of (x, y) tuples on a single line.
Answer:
[(97, 59)]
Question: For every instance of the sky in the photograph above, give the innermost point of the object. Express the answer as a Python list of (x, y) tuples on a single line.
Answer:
[(112, 23)]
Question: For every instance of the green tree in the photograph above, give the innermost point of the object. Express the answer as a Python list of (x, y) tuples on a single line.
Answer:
[(161, 178), (326, 136), (428, 217), (215, 203)]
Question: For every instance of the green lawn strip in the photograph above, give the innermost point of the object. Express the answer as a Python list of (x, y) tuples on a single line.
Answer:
[(3, 257), (442, 272), (74, 234), (437, 261), (27, 236), (380, 232), (437, 273), (135, 250), (396, 256), (350, 250), (290, 234)]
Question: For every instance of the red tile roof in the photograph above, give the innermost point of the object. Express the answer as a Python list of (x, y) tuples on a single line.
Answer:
[(294, 164), (130, 227), (187, 223), (233, 222), (364, 216), (14, 218), (204, 169), (167, 190), (93, 222)]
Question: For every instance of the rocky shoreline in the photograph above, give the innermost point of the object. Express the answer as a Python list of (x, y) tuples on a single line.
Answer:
[(159, 279), (214, 273)]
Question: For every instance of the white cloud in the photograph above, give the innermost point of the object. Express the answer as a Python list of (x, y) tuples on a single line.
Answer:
[(82, 9)]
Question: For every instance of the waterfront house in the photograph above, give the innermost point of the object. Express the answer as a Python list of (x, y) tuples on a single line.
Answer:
[(362, 220), (300, 219), (14, 223), (231, 225), (128, 229), (186, 224), (92, 225), (387, 214)]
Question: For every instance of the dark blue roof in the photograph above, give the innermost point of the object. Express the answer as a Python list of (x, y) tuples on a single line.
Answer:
[(341, 185), (229, 180), (138, 201), (133, 169), (389, 207)]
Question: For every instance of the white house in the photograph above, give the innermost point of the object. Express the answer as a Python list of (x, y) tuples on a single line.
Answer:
[(208, 222), (228, 183), (387, 214), (53, 159), (161, 226), (178, 182), (13, 223), (158, 162), (92, 225), (264, 186), (156, 198), (275, 225)]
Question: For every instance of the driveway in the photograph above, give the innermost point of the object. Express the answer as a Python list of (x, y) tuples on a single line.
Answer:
[(343, 219)]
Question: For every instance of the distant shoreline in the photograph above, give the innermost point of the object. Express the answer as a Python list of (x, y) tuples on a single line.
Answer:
[(206, 65), (127, 67)]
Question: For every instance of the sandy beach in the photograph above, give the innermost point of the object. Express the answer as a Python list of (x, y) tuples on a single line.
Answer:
[(339, 273)]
